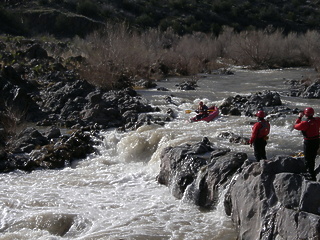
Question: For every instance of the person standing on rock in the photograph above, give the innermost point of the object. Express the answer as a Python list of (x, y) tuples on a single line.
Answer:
[(310, 130), (259, 136)]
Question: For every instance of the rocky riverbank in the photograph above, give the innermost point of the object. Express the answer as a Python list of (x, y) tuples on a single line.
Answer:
[(270, 199), (50, 116)]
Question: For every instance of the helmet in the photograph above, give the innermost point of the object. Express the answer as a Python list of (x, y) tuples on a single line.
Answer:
[(260, 114), (200, 103), (309, 111)]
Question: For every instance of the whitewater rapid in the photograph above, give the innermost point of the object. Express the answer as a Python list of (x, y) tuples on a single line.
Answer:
[(115, 195)]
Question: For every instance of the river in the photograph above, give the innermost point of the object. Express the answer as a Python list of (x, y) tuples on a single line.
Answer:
[(115, 195)]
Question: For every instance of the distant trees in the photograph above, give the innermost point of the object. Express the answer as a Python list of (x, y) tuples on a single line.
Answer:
[(185, 16), (88, 8), (10, 22)]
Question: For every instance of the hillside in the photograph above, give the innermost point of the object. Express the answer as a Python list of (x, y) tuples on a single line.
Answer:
[(67, 18)]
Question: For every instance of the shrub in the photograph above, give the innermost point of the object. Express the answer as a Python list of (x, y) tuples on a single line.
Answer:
[(118, 53), (310, 47), (88, 8), (144, 21), (118, 56), (11, 23), (57, 1), (43, 2)]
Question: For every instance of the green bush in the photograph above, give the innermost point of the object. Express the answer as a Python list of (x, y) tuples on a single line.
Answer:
[(43, 2), (269, 13), (222, 6), (57, 1), (144, 21), (88, 8), (10, 22)]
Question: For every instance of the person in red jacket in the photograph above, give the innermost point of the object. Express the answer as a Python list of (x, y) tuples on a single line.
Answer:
[(259, 136), (310, 130)]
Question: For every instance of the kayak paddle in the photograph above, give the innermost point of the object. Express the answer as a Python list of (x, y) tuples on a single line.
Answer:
[(209, 110)]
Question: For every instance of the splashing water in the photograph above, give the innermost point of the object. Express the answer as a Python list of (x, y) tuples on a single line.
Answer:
[(116, 196)]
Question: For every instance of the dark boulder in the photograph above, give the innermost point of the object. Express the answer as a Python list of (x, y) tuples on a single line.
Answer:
[(187, 85), (312, 91), (234, 138), (32, 150), (36, 51), (53, 133), (180, 167), (248, 105), (27, 140), (307, 88), (16, 97)]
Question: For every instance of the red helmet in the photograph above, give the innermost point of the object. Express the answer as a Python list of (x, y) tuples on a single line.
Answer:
[(309, 111), (260, 114), (201, 103)]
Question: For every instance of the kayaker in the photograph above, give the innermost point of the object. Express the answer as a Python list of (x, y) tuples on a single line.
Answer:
[(310, 130), (259, 136), (202, 111)]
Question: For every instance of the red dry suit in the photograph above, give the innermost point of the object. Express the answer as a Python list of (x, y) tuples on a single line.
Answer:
[(260, 129), (310, 127), (310, 131)]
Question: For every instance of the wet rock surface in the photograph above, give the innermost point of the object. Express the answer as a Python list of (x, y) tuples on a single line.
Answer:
[(32, 150), (306, 88), (270, 199), (249, 104)]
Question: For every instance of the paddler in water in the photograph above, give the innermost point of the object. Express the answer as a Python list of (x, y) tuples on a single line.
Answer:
[(259, 136), (310, 130), (202, 111)]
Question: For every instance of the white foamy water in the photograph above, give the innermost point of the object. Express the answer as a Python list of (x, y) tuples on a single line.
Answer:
[(116, 196)]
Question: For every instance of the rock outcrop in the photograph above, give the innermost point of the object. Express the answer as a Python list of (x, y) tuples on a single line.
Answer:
[(31, 149), (271, 199), (248, 105), (306, 88)]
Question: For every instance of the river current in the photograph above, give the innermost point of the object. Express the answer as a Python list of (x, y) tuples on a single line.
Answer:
[(115, 195)]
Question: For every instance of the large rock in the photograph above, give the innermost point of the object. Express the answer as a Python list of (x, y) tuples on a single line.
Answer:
[(201, 168), (312, 91), (248, 105), (306, 88), (271, 199)]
